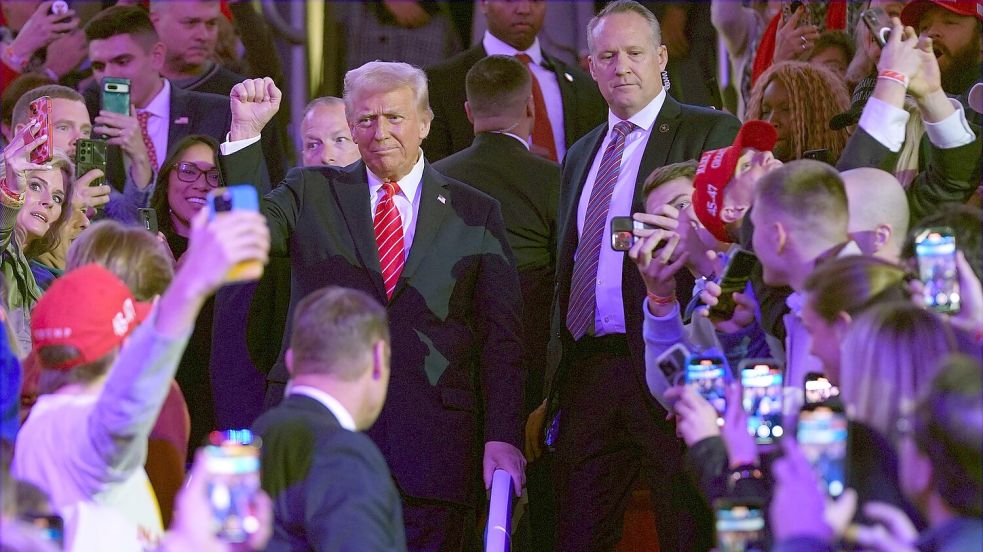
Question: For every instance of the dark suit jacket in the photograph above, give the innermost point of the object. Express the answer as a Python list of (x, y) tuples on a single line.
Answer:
[(191, 113), (450, 131), (457, 375), (528, 187), (681, 132), (330, 487), (947, 175)]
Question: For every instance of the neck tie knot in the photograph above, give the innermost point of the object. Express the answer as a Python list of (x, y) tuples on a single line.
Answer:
[(624, 128), (524, 58), (390, 188)]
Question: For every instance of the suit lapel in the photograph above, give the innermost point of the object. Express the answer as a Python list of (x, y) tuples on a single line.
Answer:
[(658, 146), (434, 206), (568, 93), (179, 112), (352, 192)]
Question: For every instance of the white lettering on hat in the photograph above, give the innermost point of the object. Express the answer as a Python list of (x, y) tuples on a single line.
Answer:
[(121, 322), (702, 167), (712, 202), (718, 158)]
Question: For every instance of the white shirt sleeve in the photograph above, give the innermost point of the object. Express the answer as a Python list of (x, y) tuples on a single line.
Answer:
[(884, 122), (228, 148), (951, 132)]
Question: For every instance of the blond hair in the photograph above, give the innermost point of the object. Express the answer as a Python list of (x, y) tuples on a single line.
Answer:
[(384, 76), (134, 255), (815, 94)]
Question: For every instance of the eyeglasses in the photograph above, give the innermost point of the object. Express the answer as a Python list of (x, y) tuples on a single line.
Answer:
[(189, 172)]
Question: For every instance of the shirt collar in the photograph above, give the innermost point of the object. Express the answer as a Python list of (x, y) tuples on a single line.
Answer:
[(517, 137), (329, 402), (493, 46), (645, 119), (407, 185), (158, 106)]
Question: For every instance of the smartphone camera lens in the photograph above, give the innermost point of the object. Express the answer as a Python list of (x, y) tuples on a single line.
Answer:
[(223, 203)]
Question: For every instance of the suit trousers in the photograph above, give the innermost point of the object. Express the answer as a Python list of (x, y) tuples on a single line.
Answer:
[(436, 526), (611, 432)]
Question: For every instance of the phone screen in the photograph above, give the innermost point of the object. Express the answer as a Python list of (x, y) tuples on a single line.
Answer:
[(762, 397), (936, 252), (740, 527), (709, 375), (52, 527), (233, 472), (822, 436)]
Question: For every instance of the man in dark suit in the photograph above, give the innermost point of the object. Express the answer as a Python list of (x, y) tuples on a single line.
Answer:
[(610, 430), (435, 252), (330, 486), (567, 103), (123, 43), (499, 163)]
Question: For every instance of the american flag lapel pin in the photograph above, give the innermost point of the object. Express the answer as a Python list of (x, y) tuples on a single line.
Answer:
[(181, 121), (441, 199), (568, 76)]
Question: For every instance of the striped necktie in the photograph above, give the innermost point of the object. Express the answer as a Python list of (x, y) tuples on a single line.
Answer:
[(583, 297), (389, 236)]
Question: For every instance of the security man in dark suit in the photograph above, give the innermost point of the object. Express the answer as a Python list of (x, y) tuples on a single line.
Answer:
[(567, 102), (607, 429), (433, 250), (330, 485), (500, 106)]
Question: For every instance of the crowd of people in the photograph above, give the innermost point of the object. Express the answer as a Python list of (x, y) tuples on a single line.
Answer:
[(565, 252)]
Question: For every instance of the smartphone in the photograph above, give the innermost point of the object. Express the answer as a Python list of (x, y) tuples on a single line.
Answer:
[(740, 525), (672, 362), (822, 436), (90, 154), (762, 382), (935, 249), (879, 24), (116, 95), (622, 232), (58, 7), (148, 217), (51, 527), (41, 113), (232, 465), (236, 198), (821, 155), (736, 274), (818, 388), (709, 373)]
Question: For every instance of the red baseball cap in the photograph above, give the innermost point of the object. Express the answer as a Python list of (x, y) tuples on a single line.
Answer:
[(716, 170), (88, 308), (914, 10)]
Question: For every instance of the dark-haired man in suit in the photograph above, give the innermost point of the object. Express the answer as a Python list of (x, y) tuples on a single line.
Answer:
[(330, 486), (567, 103), (433, 250), (610, 430), (501, 107)]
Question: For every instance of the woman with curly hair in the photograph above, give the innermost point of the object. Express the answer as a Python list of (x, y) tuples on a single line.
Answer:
[(799, 99)]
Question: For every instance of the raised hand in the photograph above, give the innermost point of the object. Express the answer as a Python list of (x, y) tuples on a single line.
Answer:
[(254, 102), (42, 29), (696, 419), (741, 448), (87, 195), (17, 157), (743, 314), (793, 41)]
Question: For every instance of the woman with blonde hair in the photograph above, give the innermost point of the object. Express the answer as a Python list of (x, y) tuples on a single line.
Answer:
[(799, 99), (135, 256), (34, 205), (890, 356)]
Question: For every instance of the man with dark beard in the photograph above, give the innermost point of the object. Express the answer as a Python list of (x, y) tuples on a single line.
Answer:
[(954, 28)]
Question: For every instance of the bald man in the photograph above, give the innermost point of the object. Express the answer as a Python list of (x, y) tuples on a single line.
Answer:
[(879, 212)]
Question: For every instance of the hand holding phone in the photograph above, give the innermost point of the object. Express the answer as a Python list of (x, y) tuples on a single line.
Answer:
[(762, 384), (90, 154), (879, 24), (822, 436), (935, 249), (232, 467), (709, 375), (734, 279), (236, 198)]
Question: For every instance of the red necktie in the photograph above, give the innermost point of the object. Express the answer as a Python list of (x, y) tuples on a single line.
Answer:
[(542, 132), (389, 236), (142, 118), (583, 289)]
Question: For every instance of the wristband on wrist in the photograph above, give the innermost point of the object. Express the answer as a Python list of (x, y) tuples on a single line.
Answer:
[(660, 299), (15, 61), (747, 471), (9, 198), (895, 76)]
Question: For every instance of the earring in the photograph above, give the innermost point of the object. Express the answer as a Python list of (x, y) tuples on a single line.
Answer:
[(665, 80)]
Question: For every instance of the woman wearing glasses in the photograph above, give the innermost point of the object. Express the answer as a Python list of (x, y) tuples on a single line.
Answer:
[(185, 178)]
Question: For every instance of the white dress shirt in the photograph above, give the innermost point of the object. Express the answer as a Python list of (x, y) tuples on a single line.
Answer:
[(886, 124), (609, 315), (158, 124), (407, 200), (345, 418), (547, 84)]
